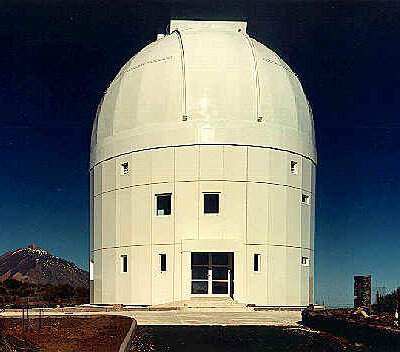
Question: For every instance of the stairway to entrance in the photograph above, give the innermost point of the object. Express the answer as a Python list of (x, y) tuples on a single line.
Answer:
[(207, 304)]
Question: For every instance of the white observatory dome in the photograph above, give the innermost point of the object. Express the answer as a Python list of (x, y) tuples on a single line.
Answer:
[(202, 175), (205, 82)]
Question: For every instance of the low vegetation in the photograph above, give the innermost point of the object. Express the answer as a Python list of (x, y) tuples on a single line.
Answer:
[(387, 303), (16, 294)]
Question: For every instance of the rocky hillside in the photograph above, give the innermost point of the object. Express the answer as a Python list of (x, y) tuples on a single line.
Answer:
[(37, 266)]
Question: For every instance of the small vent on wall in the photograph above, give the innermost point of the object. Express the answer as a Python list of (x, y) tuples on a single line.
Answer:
[(305, 261), (294, 167), (125, 168), (305, 199)]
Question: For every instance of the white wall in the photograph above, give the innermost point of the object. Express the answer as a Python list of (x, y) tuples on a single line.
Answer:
[(260, 209)]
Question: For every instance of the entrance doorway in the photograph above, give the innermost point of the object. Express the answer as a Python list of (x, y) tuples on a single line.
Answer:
[(212, 274)]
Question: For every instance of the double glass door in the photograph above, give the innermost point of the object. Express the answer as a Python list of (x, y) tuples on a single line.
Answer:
[(212, 274)]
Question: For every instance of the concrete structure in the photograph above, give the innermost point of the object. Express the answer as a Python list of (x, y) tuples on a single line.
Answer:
[(362, 291), (203, 174)]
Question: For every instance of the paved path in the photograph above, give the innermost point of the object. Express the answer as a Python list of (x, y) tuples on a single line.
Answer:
[(282, 318), (217, 318)]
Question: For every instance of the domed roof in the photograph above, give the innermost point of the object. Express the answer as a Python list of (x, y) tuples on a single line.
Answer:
[(204, 83)]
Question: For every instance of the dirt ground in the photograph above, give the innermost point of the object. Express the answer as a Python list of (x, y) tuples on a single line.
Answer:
[(377, 331), (66, 334), (238, 339), (354, 315)]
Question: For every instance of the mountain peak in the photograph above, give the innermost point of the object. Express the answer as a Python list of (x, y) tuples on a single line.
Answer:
[(35, 265), (33, 246)]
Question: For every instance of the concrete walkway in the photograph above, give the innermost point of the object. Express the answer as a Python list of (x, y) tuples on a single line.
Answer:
[(282, 318), (285, 318), (196, 311)]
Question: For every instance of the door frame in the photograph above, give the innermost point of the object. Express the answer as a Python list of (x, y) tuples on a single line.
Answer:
[(230, 257)]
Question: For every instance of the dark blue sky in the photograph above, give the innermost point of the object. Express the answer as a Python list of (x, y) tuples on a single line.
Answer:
[(58, 57)]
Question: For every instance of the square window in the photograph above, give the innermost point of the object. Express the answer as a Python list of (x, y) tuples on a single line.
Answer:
[(305, 261), (163, 203), (125, 168), (294, 167), (257, 263), (305, 199), (163, 262), (211, 203), (124, 263)]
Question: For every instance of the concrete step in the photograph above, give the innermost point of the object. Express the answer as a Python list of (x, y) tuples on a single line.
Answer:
[(215, 304), (217, 309), (206, 304), (211, 303)]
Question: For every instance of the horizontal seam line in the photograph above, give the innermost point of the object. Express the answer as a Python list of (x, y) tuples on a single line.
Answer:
[(190, 181), (180, 243), (201, 144)]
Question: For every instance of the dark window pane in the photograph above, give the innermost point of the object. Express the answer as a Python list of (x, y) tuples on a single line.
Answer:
[(256, 267), (199, 287), (163, 262), (220, 287), (199, 258), (220, 273), (211, 203), (124, 264), (163, 204), (200, 273), (220, 259)]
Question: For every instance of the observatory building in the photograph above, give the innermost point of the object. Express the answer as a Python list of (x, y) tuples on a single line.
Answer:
[(202, 174)]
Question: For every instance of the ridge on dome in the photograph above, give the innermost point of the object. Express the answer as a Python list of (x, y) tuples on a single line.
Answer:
[(229, 26)]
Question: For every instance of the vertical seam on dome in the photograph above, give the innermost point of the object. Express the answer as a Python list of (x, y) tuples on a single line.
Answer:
[(311, 121), (93, 139), (253, 51), (294, 97), (183, 71)]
